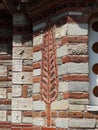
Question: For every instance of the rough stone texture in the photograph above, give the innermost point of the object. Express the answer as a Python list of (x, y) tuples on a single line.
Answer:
[(17, 65), (37, 56), (16, 116), (26, 104), (77, 29), (22, 53), (36, 72), (38, 121), (63, 69), (82, 123), (38, 106), (78, 49), (22, 78), (36, 88), (61, 31), (59, 105), (79, 101), (16, 90), (61, 51), (63, 87), (37, 40), (3, 115), (78, 86), (2, 93), (61, 122), (5, 107), (5, 84), (3, 70), (27, 120), (76, 107), (77, 68)]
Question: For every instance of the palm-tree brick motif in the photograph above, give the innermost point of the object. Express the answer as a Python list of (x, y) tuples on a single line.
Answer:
[(49, 75)]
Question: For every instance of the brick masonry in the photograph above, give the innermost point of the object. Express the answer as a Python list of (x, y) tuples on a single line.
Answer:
[(22, 85)]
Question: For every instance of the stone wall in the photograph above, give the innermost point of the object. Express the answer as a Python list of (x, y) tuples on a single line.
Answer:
[(56, 58)]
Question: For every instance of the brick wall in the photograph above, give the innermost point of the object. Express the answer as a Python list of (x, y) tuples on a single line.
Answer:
[(44, 82)]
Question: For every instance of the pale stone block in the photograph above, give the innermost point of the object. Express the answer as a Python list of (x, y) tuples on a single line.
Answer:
[(79, 68), (2, 93), (77, 29), (36, 72), (17, 65), (5, 84), (16, 90), (78, 86), (22, 53), (16, 116), (3, 115), (63, 87), (61, 122), (27, 120), (79, 101), (59, 105), (38, 121), (36, 87), (5, 107), (82, 123), (63, 69), (3, 70), (39, 106), (22, 78), (9, 95), (37, 39), (62, 51), (76, 107), (61, 31), (37, 56), (21, 103)]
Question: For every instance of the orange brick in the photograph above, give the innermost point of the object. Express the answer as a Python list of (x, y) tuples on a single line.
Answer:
[(54, 114), (47, 128), (63, 114), (27, 113), (43, 114), (76, 114), (78, 95), (36, 97), (27, 68), (88, 115), (36, 48), (24, 91), (78, 58), (36, 114), (36, 65), (36, 79), (65, 59)]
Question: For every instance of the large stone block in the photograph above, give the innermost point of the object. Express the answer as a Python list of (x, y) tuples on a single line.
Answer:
[(63, 87), (16, 116), (63, 69), (38, 121), (17, 65), (22, 78), (37, 56), (61, 122), (37, 40), (61, 51), (3, 116), (2, 93), (22, 53), (22, 104), (39, 106), (16, 90), (3, 70)]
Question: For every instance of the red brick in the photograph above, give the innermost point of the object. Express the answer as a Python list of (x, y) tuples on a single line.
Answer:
[(66, 95), (26, 128), (36, 48), (63, 114), (27, 113), (36, 79), (36, 114), (36, 97), (47, 128), (43, 114), (36, 65), (78, 39), (54, 114), (77, 77), (76, 114), (65, 59), (78, 59), (88, 115), (24, 91), (27, 68)]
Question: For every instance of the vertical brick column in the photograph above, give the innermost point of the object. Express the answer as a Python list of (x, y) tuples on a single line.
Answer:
[(22, 70)]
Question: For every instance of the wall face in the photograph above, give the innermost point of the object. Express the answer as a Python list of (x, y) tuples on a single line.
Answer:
[(45, 86)]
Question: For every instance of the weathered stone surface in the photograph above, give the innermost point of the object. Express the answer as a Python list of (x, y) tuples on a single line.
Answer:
[(78, 68), (39, 106), (2, 93), (37, 40), (36, 72), (27, 120), (22, 78), (77, 29), (63, 87), (76, 107), (37, 56), (62, 51), (61, 31), (22, 104), (16, 90), (22, 53), (36, 87), (61, 122), (5, 107), (5, 84), (17, 65), (78, 49), (59, 105), (79, 101), (3, 70), (16, 116), (38, 121), (82, 123), (78, 86), (3, 115), (63, 69)]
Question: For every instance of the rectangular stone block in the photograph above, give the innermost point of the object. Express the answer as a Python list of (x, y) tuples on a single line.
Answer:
[(62, 122), (22, 78), (22, 104), (39, 106), (2, 116), (16, 90), (3, 70), (2, 93), (39, 121), (37, 56), (37, 40), (17, 65), (22, 53), (62, 51), (16, 116)]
